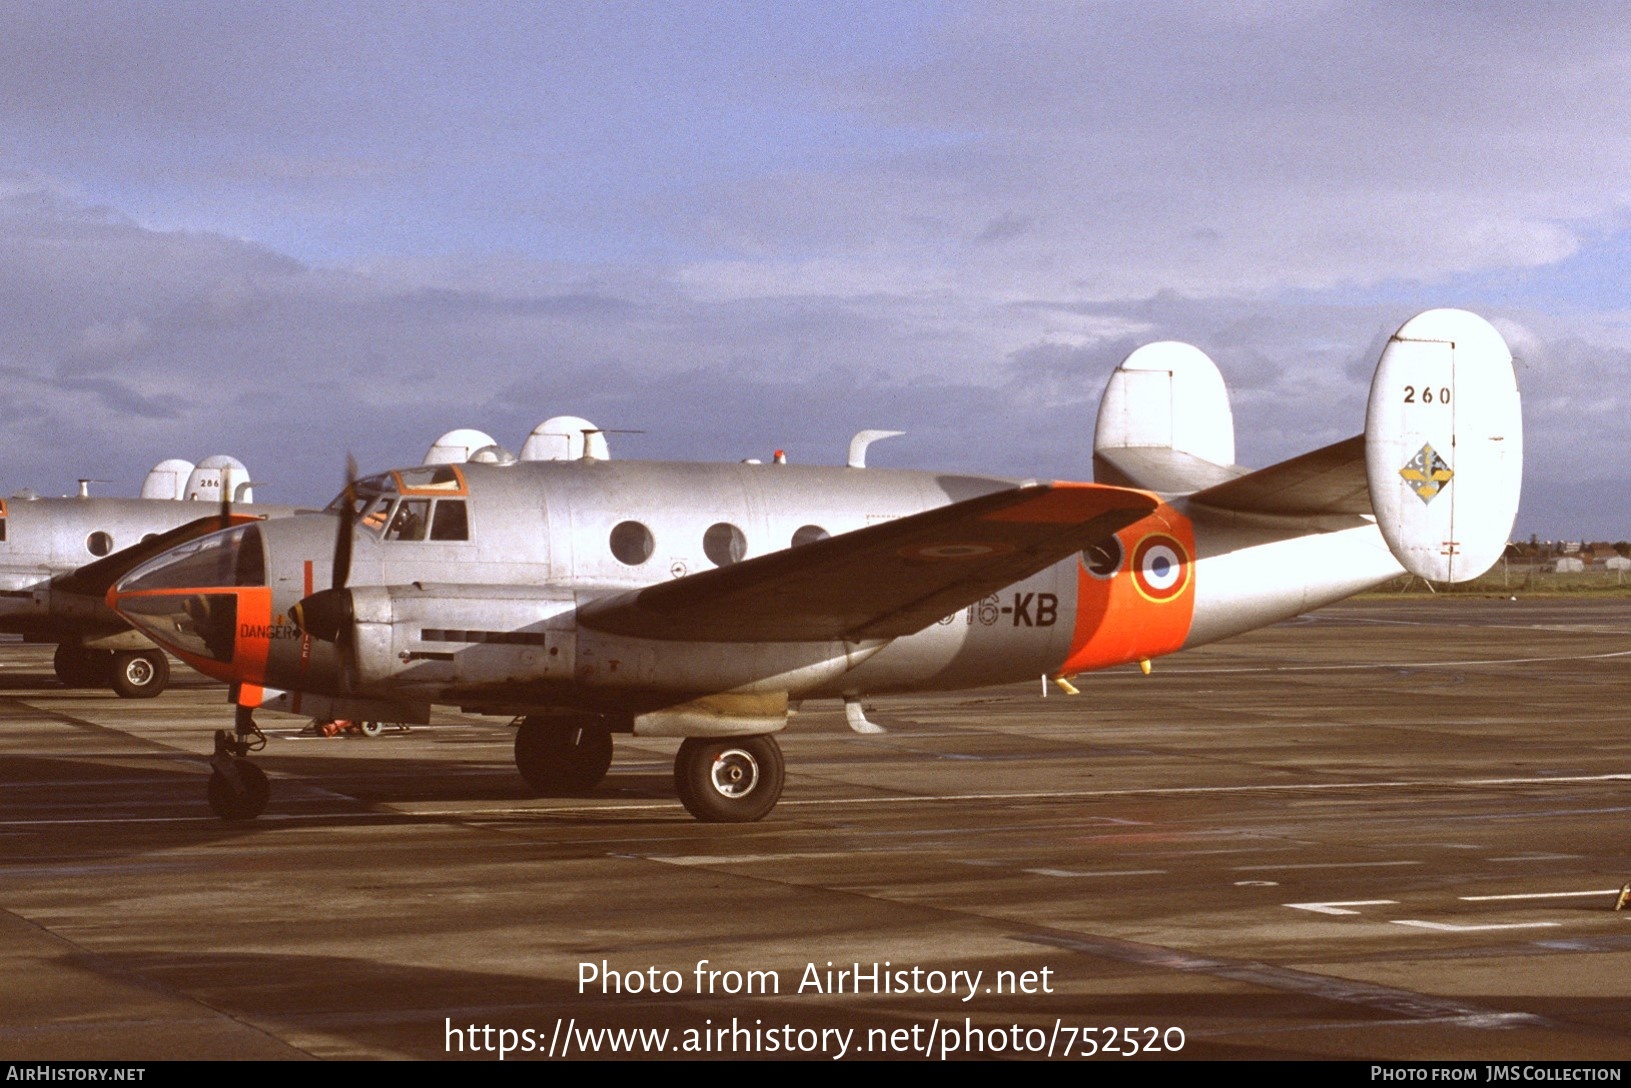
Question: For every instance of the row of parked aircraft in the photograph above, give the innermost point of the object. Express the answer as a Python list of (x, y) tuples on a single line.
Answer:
[(52, 550), (591, 597)]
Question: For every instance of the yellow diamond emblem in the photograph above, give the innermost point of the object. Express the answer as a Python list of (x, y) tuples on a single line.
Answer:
[(1427, 473)]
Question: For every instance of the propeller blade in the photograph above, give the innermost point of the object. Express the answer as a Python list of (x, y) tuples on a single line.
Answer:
[(347, 527)]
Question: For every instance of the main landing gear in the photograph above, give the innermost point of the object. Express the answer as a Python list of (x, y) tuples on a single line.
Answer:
[(140, 675), (132, 674), (729, 780), (238, 789), (718, 779), (563, 755)]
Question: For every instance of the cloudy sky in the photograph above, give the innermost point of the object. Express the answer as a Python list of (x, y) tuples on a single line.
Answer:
[(284, 231)]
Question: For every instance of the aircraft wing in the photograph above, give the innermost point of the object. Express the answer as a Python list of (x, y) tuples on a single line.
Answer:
[(1327, 481), (883, 581), (94, 579)]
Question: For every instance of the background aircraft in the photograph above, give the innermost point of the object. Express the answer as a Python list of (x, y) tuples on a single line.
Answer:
[(702, 601), (45, 541), (52, 549)]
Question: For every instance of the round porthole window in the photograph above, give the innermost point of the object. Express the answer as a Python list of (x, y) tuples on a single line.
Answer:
[(724, 544), (99, 543), (631, 543), (809, 534)]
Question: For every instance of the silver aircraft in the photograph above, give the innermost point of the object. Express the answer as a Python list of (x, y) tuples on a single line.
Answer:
[(59, 555), (593, 597)]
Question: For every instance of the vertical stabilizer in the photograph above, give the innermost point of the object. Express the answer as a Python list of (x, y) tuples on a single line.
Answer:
[(1444, 445), (1168, 395), (1164, 422)]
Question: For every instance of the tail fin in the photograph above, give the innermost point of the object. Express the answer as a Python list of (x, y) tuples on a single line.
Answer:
[(1444, 445), (1164, 422)]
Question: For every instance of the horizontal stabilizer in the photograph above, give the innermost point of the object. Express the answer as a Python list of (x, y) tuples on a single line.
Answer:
[(1327, 481), (883, 581), (1157, 468)]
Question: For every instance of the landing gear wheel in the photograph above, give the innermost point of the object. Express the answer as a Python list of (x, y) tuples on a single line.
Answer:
[(241, 801), (140, 675), (78, 667), (563, 755), (371, 729), (729, 780)]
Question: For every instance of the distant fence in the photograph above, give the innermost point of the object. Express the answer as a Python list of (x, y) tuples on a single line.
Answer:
[(1515, 576)]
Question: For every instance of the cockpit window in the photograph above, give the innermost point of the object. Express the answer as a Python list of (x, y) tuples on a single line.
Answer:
[(451, 522), (376, 513), (434, 479), (380, 507), (410, 520)]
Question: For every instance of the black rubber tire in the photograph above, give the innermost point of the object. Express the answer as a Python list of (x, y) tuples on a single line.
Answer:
[(729, 780), (563, 755), (139, 675), (371, 729), (78, 667), (231, 804)]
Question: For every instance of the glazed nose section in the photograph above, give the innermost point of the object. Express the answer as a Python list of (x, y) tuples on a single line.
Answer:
[(189, 599)]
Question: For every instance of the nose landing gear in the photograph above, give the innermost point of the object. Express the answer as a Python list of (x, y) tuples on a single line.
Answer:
[(238, 789)]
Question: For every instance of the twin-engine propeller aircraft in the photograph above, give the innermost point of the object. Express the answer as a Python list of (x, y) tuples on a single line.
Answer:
[(701, 601), (58, 557)]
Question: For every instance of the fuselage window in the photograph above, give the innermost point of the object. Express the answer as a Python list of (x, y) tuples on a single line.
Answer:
[(724, 544), (631, 543), (451, 522), (809, 534), (99, 543)]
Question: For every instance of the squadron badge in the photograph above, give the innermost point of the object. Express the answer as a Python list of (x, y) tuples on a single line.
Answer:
[(1427, 473)]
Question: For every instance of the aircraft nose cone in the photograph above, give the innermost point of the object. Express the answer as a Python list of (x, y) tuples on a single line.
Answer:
[(187, 600)]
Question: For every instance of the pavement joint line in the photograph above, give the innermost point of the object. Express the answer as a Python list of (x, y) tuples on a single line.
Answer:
[(1537, 895), (1323, 865), (1414, 1005), (955, 798), (1451, 927)]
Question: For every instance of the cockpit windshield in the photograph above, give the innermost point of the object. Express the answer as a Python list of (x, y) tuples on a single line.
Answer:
[(424, 503)]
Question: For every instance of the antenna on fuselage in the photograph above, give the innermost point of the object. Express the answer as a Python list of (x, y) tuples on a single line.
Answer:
[(863, 439)]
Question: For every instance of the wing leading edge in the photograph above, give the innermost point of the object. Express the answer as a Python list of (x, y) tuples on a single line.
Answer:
[(1330, 480), (883, 581)]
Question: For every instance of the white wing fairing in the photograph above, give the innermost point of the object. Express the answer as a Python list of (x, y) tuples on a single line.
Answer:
[(700, 601)]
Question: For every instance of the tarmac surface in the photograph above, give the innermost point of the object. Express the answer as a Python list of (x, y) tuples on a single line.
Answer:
[(1395, 829)]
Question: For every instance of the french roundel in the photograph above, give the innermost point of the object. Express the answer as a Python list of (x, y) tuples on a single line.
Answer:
[(1160, 567)]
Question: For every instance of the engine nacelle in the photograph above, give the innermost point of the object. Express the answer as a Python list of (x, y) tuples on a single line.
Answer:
[(435, 636)]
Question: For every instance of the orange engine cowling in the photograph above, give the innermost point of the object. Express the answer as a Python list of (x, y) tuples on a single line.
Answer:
[(1135, 598)]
